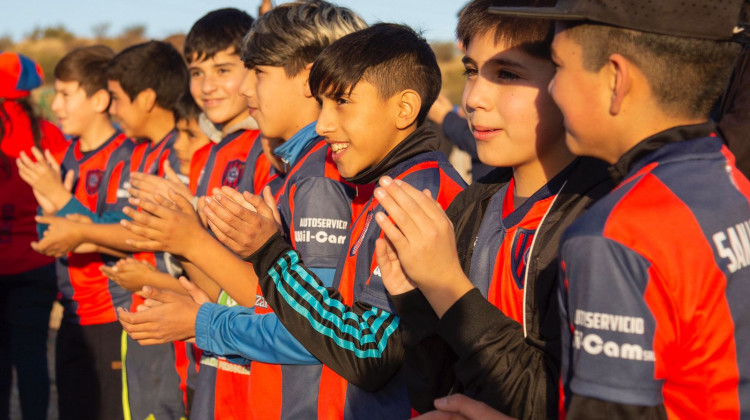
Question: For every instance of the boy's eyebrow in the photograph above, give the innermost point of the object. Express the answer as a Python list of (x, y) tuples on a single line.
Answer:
[(502, 61), (467, 60)]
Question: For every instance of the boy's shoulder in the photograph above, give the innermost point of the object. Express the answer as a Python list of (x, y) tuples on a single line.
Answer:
[(423, 169), (316, 162)]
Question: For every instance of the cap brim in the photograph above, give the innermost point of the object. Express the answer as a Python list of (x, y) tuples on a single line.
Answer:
[(537, 13)]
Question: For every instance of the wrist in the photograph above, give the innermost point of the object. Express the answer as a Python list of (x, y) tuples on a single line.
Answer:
[(447, 291)]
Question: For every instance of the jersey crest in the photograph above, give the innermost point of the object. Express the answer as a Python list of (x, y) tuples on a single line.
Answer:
[(93, 179), (233, 173), (520, 254)]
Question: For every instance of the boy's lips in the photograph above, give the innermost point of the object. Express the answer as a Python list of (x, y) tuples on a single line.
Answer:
[(338, 149), (484, 133), (208, 103)]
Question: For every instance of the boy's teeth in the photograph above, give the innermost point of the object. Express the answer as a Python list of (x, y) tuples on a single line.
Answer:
[(337, 147)]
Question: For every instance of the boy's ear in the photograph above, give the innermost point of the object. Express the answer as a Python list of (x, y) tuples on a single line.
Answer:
[(620, 81), (409, 104), (146, 99), (101, 100), (306, 89)]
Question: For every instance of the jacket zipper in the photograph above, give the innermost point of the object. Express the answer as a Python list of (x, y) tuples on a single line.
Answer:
[(531, 254)]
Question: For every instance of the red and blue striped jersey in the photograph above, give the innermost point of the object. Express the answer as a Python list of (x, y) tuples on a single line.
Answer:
[(236, 161), (655, 281), (88, 296), (503, 245), (315, 204)]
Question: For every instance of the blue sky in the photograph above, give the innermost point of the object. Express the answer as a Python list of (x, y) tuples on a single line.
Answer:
[(436, 18)]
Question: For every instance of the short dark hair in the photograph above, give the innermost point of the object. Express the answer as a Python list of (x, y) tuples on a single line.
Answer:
[(531, 35), (185, 108), (292, 35), (87, 66), (686, 75), (152, 65), (216, 31), (391, 57)]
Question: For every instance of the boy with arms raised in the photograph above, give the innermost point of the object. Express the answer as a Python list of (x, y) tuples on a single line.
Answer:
[(373, 122), (655, 274), (488, 319), (88, 368)]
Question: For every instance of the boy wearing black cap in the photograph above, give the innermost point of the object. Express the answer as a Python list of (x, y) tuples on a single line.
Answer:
[(655, 273)]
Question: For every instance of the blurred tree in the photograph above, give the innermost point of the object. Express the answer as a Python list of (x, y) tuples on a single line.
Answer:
[(6, 42), (444, 51), (51, 32), (100, 31)]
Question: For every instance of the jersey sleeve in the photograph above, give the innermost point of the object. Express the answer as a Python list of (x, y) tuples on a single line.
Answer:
[(320, 211), (360, 342), (608, 323), (240, 331)]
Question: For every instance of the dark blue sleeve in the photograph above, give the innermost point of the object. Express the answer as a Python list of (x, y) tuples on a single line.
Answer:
[(321, 215), (607, 325), (457, 130)]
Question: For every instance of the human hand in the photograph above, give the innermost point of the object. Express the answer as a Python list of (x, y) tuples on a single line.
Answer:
[(169, 227), (241, 221), (393, 275), (43, 175), (129, 273), (424, 242), (61, 237), (461, 407), (164, 316), (146, 186)]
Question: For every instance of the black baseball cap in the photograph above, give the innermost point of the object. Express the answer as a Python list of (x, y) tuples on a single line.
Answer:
[(705, 19)]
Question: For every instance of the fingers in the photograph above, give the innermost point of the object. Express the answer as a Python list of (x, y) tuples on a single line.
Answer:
[(158, 295), (469, 408), (260, 205), (402, 209), (270, 201), (170, 173), (391, 231), (222, 219), (69, 180), (51, 162), (199, 296), (165, 202), (182, 203)]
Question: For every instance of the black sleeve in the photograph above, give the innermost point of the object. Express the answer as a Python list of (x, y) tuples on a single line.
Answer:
[(429, 360), (361, 343), (495, 363), (585, 408)]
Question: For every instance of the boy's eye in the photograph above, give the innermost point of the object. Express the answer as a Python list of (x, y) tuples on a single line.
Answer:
[(470, 72), (506, 75), (341, 101), (223, 71), (195, 73)]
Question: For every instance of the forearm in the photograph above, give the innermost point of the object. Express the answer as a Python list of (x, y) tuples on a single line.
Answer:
[(495, 363), (236, 277), (360, 342), (161, 281), (429, 361), (239, 331), (584, 408), (200, 278), (111, 236)]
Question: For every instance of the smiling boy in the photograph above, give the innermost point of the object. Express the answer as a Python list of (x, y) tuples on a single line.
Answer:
[(654, 280), (484, 318)]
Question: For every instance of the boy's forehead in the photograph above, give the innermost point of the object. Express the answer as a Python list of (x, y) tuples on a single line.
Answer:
[(225, 56)]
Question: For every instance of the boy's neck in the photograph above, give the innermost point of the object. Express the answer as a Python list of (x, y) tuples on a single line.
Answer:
[(159, 124), (98, 131), (532, 176), (303, 116), (638, 128)]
